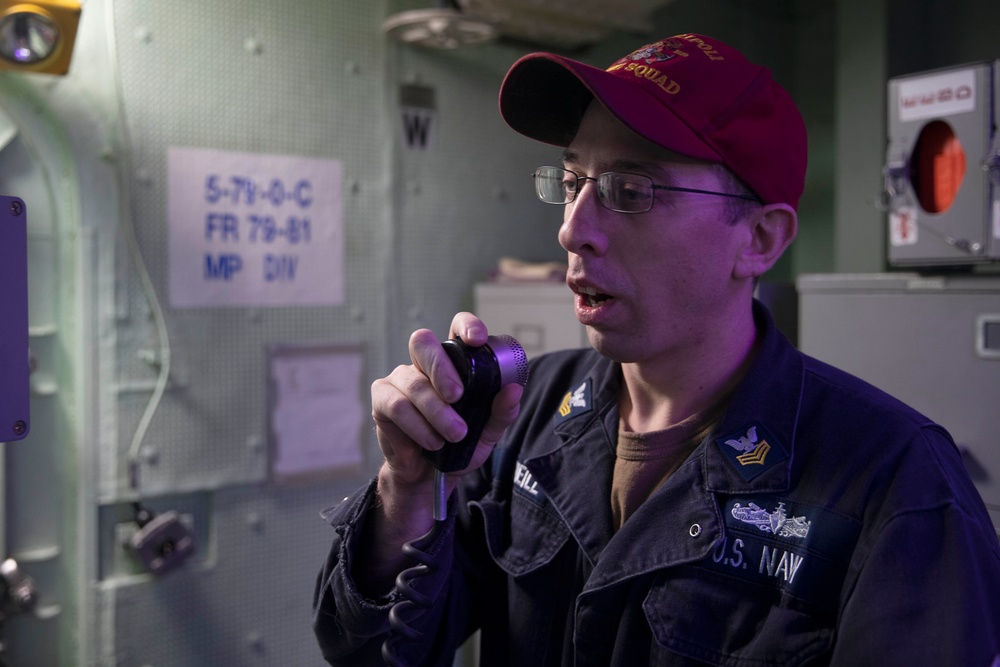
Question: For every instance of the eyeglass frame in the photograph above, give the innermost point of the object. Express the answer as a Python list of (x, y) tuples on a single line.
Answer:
[(653, 187)]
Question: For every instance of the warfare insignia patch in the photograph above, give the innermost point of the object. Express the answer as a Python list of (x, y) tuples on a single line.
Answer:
[(752, 451), (576, 402), (776, 522)]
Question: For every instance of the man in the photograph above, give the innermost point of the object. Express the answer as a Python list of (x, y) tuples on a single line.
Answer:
[(693, 490)]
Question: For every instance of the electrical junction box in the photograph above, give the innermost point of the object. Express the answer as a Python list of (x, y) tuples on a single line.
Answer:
[(942, 171), (14, 357)]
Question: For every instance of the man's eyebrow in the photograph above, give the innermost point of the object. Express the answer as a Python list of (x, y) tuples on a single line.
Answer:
[(648, 168)]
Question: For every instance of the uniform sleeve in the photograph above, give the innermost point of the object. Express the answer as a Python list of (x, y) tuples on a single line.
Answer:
[(351, 628), (927, 586)]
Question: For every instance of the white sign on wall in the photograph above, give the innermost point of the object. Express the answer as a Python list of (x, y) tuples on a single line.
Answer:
[(317, 413), (937, 95), (249, 229)]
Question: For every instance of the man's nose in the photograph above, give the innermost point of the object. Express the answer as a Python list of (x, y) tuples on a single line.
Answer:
[(581, 231)]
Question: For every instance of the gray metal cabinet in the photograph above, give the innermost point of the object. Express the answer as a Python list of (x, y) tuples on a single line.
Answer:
[(931, 341)]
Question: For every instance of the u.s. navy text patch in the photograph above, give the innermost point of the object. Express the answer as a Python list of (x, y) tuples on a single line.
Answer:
[(774, 541)]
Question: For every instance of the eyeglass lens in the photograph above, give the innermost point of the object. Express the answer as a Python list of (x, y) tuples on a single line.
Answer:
[(626, 193)]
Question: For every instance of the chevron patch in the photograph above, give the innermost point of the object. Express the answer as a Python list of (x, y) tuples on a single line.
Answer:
[(752, 450), (575, 402)]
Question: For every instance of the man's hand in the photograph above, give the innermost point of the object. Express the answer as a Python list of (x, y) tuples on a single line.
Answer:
[(412, 412)]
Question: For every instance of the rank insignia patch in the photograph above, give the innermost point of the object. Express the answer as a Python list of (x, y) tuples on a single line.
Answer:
[(575, 402), (752, 451)]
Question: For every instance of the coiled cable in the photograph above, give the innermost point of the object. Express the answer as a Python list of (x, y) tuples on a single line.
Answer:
[(413, 603)]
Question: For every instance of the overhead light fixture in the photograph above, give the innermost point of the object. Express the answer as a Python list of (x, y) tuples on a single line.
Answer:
[(38, 36), (441, 28)]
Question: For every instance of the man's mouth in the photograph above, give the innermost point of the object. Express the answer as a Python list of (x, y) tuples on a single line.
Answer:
[(592, 297)]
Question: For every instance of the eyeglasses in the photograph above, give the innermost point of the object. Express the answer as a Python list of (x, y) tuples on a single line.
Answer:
[(622, 193)]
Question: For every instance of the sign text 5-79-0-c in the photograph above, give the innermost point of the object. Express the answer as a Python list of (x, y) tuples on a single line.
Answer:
[(244, 190)]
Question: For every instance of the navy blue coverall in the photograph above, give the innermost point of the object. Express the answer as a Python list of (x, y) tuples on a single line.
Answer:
[(823, 522)]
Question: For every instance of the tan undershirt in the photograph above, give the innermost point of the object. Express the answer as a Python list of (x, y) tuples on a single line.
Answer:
[(646, 460)]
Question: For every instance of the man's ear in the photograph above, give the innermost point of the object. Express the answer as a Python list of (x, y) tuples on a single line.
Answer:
[(772, 229)]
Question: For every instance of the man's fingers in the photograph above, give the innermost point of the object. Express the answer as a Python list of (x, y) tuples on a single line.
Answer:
[(428, 356), (408, 399), (506, 407), (469, 328)]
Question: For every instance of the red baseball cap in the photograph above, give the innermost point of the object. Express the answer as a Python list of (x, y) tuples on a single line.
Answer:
[(689, 93)]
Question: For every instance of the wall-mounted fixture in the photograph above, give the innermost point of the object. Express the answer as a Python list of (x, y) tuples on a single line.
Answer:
[(562, 25), (942, 167), (38, 36), (443, 27)]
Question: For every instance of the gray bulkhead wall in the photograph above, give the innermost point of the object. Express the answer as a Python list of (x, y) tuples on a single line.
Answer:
[(315, 79), (302, 79), (421, 224)]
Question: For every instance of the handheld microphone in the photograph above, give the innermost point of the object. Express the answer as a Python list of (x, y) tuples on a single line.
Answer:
[(484, 371)]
